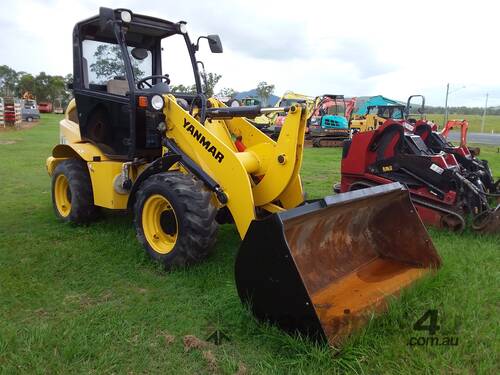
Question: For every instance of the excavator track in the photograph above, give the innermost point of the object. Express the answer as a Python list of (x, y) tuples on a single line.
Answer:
[(327, 142), (453, 220)]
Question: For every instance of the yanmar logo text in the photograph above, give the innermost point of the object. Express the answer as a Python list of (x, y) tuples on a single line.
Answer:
[(217, 155)]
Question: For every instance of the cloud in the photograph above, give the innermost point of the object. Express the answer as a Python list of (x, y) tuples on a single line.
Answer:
[(314, 47), (363, 56), (263, 32)]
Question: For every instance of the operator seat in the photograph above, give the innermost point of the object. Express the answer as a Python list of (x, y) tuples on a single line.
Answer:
[(424, 131), (389, 143), (117, 86)]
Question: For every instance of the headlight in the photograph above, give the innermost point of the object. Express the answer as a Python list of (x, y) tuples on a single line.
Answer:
[(157, 102), (183, 28)]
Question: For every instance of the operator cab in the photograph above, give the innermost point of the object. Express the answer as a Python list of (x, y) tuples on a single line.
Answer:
[(395, 112), (119, 79)]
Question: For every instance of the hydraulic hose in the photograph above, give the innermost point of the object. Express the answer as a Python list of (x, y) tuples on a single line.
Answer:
[(495, 195)]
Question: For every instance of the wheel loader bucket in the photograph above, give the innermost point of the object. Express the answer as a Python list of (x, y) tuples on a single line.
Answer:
[(323, 268)]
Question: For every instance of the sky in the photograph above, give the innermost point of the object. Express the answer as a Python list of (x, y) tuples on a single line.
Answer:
[(355, 48)]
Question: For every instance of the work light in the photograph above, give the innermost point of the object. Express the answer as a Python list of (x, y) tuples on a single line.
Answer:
[(126, 16)]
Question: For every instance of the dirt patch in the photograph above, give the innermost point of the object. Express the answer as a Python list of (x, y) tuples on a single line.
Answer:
[(193, 342), (211, 361), (86, 301), (22, 126), (7, 142), (242, 370), (169, 339)]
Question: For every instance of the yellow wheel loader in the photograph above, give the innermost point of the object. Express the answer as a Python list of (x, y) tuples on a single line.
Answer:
[(376, 116), (182, 163)]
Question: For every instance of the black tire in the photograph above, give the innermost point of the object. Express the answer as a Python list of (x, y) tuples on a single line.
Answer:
[(29, 119), (80, 194), (194, 215)]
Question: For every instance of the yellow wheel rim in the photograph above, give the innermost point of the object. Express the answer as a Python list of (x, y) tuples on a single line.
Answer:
[(62, 195), (159, 224)]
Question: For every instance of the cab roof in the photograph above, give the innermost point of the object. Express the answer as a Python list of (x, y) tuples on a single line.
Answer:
[(141, 30)]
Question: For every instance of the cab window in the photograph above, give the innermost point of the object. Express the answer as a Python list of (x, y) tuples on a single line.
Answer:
[(176, 62), (104, 68)]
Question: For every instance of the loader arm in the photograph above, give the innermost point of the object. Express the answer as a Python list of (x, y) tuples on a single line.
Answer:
[(264, 175)]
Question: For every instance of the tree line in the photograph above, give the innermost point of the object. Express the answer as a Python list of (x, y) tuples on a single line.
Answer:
[(464, 110), (47, 87), (43, 86)]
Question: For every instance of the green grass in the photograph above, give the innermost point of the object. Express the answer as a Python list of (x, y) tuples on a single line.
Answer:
[(87, 300), (491, 123)]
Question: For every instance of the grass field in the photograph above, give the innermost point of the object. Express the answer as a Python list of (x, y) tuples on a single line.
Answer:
[(87, 300), (491, 123)]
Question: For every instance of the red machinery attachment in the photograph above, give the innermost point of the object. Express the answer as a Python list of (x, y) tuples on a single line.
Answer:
[(441, 192)]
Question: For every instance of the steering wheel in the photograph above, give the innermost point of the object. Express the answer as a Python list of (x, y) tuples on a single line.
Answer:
[(142, 84)]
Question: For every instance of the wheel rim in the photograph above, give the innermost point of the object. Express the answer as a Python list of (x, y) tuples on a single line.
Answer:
[(159, 224), (62, 194)]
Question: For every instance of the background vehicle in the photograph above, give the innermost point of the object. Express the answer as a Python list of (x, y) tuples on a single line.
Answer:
[(29, 109), (373, 112), (443, 193), (473, 168), (58, 108), (45, 107), (291, 98), (178, 162), (329, 123)]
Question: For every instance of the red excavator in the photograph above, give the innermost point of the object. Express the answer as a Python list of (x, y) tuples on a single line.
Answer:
[(443, 193)]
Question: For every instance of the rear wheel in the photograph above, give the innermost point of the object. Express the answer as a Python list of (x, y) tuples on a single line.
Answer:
[(175, 219), (72, 195)]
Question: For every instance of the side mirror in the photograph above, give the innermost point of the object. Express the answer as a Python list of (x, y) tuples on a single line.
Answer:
[(139, 53), (214, 43), (105, 16)]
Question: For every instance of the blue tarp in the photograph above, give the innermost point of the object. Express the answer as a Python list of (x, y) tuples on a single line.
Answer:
[(362, 108)]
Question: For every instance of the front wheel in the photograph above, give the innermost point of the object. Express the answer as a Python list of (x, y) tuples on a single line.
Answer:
[(72, 194), (175, 219)]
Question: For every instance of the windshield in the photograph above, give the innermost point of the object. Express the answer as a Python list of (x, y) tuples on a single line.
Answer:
[(387, 112), (103, 62), (176, 62), (29, 104), (333, 108)]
